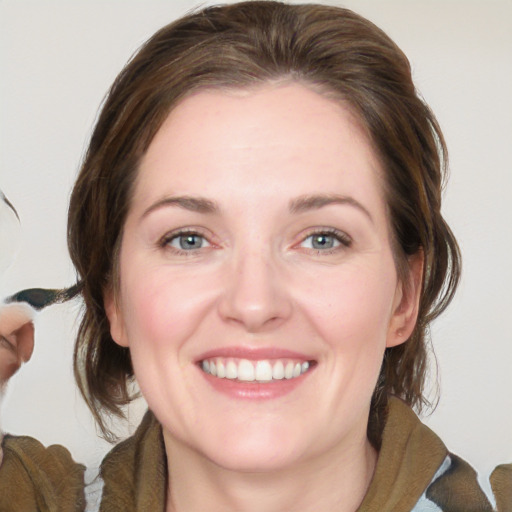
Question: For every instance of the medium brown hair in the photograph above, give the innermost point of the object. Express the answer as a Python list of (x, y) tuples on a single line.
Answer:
[(245, 45)]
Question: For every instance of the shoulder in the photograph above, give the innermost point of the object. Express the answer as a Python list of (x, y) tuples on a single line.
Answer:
[(33, 477), (501, 483), (455, 486), (134, 472), (416, 472)]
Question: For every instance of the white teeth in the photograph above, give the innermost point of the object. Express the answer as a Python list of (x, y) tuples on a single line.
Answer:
[(245, 370), (263, 371), (254, 371), (231, 370), (278, 371), (288, 370)]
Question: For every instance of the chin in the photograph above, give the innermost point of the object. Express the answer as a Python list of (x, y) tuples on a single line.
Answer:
[(245, 459), (256, 448)]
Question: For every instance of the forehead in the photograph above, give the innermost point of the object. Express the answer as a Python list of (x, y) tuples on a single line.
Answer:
[(281, 140)]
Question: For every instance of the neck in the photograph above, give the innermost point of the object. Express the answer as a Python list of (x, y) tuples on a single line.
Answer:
[(334, 481)]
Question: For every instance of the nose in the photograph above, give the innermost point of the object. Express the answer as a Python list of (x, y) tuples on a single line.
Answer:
[(255, 294)]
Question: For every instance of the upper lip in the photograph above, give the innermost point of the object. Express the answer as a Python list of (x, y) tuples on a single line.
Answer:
[(254, 354)]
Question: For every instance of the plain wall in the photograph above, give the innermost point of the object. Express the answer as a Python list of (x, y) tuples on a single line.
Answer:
[(57, 61)]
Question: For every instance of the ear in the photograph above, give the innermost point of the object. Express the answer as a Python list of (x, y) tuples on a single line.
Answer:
[(406, 302), (115, 317)]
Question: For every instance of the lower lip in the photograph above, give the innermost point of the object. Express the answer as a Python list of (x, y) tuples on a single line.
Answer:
[(255, 390)]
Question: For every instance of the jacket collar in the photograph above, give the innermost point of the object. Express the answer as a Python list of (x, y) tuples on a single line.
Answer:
[(135, 471)]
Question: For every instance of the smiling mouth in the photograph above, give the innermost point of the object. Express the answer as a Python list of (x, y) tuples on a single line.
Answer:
[(259, 371)]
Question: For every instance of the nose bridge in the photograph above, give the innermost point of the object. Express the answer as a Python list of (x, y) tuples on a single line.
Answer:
[(255, 295)]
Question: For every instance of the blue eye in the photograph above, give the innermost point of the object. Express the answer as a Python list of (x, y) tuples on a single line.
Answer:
[(325, 241), (188, 242)]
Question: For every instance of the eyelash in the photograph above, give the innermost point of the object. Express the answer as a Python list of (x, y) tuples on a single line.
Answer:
[(339, 236), (165, 241), (344, 240)]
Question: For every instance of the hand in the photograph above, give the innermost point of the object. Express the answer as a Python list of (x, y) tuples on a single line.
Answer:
[(16, 338), (16, 342)]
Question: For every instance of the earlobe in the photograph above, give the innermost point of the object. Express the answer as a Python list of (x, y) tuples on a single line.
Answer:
[(115, 318), (406, 305)]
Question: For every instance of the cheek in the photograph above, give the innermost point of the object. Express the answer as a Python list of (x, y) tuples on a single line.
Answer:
[(161, 313), (353, 307), (163, 307)]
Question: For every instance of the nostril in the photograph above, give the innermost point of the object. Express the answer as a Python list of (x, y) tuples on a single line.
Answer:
[(256, 307)]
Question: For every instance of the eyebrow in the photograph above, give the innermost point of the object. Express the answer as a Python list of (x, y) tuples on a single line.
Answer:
[(298, 205), (315, 202), (190, 203)]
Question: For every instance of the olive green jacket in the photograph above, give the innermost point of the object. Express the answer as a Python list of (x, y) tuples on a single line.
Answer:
[(414, 473)]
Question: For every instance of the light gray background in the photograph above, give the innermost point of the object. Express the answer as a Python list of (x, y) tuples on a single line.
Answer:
[(58, 59)]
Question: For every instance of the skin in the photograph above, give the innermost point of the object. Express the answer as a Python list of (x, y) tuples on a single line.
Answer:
[(16, 339), (16, 343), (253, 280)]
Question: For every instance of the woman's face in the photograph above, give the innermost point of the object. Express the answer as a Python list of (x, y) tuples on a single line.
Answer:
[(258, 289)]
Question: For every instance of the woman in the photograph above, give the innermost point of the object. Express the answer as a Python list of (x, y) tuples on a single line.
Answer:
[(257, 229)]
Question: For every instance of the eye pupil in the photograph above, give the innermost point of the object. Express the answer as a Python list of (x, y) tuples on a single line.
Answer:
[(322, 242), (190, 242)]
